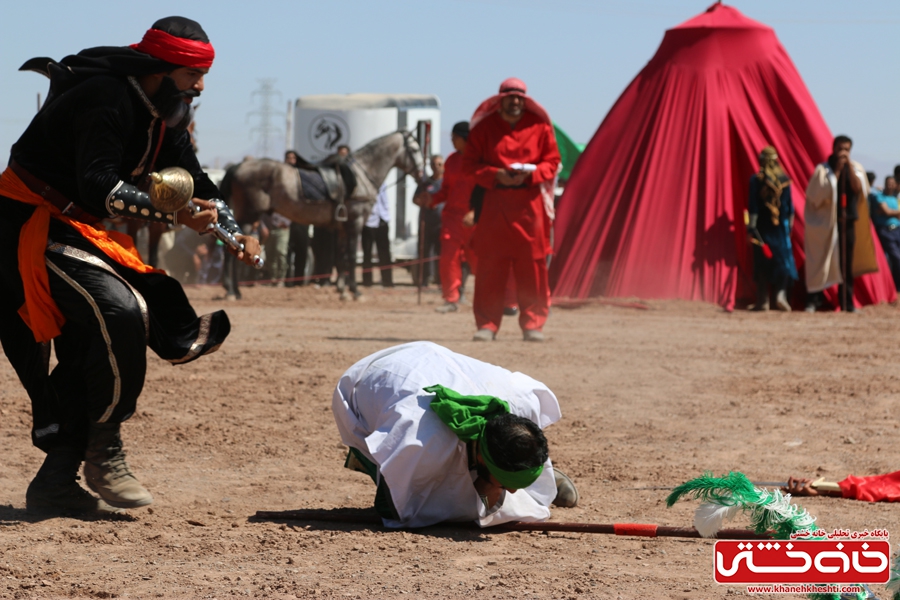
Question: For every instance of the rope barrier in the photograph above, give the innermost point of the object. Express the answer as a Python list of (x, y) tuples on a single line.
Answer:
[(394, 265)]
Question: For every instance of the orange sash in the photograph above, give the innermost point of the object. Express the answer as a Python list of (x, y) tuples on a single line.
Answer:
[(40, 311)]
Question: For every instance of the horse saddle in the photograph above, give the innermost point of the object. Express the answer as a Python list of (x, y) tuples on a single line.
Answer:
[(337, 176)]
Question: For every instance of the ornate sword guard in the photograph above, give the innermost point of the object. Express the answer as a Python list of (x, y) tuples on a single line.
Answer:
[(171, 189)]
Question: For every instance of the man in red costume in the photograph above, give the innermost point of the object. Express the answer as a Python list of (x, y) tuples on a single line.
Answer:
[(512, 154), (456, 236)]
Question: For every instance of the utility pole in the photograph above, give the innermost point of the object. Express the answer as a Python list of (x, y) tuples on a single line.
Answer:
[(265, 132), (289, 128)]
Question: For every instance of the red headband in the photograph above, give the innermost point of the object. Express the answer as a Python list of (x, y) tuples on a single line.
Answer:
[(176, 50)]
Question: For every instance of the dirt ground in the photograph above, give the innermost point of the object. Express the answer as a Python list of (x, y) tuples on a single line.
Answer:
[(649, 398)]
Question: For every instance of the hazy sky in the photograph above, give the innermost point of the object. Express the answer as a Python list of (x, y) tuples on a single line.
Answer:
[(576, 56)]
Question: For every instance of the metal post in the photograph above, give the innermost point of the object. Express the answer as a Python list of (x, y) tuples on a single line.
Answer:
[(423, 133)]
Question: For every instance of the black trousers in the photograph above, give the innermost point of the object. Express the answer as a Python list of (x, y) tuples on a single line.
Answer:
[(299, 249), (846, 254), (112, 314), (324, 247), (380, 238)]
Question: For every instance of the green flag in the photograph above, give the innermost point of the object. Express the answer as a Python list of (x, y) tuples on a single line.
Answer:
[(568, 150)]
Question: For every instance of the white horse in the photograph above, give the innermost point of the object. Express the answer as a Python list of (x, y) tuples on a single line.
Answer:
[(261, 186)]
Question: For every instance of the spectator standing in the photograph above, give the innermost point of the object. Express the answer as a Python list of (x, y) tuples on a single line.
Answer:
[(511, 153), (771, 212), (298, 245), (430, 220), (828, 219), (456, 235), (885, 212), (277, 245), (377, 232)]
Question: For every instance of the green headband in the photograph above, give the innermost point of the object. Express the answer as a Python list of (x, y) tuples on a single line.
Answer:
[(467, 417), (513, 480)]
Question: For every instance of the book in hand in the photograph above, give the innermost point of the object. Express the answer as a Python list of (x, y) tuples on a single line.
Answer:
[(526, 167)]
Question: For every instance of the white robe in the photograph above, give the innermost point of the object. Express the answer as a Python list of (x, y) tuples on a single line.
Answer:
[(382, 411), (823, 262)]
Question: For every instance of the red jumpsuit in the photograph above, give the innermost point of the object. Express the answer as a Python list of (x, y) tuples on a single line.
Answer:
[(511, 229), (456, 238)]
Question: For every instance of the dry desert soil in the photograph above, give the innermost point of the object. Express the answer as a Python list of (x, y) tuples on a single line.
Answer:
[(650, 397)]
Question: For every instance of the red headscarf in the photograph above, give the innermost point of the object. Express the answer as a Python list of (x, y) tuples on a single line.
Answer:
[(509, 87), (176, 50)]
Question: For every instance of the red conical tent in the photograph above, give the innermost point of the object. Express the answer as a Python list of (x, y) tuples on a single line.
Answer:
[(654, 206)]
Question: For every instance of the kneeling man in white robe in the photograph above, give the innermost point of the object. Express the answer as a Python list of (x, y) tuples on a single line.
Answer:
[(446, 437)]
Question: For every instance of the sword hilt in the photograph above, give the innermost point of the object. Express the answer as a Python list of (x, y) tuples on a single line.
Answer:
[(228, 238)]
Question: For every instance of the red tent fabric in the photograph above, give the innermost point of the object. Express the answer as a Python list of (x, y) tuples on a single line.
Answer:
[(654, 207)]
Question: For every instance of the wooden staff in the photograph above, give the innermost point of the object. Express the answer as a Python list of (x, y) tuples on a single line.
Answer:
[(844, 267), (630, 529)]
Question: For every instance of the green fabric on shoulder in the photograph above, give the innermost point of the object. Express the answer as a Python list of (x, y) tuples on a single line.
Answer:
[(466, 416)]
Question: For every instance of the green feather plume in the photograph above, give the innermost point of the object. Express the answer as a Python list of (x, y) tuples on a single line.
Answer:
[(770, 512)]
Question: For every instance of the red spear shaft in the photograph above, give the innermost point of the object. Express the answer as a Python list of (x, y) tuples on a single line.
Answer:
[(631, 529)]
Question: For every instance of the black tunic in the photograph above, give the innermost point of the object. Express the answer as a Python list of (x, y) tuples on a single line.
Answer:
[(90, 135), (97, 133)]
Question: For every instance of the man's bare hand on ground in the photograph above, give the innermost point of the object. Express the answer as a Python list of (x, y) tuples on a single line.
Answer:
[(489, 490), (800, 486), (200, 221)]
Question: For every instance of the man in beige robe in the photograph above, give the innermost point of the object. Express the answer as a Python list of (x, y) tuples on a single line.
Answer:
[(823, 244)]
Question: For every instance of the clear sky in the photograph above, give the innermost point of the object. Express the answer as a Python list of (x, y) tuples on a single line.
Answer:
[(576, 56)]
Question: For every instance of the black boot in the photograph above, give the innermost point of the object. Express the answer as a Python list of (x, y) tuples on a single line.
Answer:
[(55, 487), (106, 471), (762, 297)]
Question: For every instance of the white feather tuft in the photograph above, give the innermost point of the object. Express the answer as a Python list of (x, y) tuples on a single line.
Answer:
[(774, 508), (709, 518)]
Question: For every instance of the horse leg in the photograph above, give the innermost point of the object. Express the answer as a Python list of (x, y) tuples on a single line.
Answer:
[(342, 262), (354, 230)]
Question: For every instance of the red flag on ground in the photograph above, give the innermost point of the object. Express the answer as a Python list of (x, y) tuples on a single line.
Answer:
[(875, 488)]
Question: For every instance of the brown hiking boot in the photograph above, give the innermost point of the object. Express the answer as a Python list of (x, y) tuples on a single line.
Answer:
[(566, 492), (106, 471), (55, 488)]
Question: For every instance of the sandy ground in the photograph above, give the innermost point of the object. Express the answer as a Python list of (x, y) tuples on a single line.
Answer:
[(649, 397)]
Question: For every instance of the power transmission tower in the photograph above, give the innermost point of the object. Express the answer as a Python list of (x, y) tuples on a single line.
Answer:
[(265, 132)]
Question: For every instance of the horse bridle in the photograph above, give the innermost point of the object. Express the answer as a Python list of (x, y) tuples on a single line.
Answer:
[(409, 154)]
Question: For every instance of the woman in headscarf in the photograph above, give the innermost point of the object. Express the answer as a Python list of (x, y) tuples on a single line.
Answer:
[(769, 229)]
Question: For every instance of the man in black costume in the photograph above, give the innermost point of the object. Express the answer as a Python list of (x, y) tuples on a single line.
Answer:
[(113, 115)]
